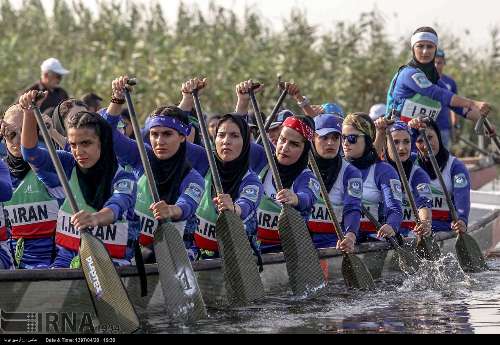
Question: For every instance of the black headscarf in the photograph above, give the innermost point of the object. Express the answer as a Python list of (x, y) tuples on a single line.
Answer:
[(363, 123), (96, 182), (368, 158), (169, 173), (232, 173), (429, 69), (441, 157), (18, 167), (289, 173), (329, 168)]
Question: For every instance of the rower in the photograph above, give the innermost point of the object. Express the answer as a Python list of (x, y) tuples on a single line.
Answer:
[(179, 185), (455, 175), (301, 188), (417, 90), (105, 193), (32, 211), (382, 192), (242, 187), (418, 180), (343, 182), (6, 261)]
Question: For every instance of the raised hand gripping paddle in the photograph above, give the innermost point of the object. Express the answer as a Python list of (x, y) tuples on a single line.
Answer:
[(275, 111), (302, 262), (241, 274), (183, 299), (408, 261), (354, 270), (426, 245), (468, 252), (111, 302)]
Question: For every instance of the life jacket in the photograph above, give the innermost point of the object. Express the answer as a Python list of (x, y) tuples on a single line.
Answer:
[(114, 236), (147, 220), (440, 208), (32, 212), (320, 221), (206, 218), (372, 198)]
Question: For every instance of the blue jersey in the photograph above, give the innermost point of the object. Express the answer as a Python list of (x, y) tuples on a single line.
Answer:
[(412, 94), (443, 120)]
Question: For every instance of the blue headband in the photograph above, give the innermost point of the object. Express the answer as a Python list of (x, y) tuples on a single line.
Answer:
[(400, 126), (167, 121)]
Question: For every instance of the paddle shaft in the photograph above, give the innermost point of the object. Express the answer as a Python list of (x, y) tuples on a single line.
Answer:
[(326, 198), (209, 147), (435, 166), (274, 113), (55, 160), (475, 147), (489, 127), (265, 143), (378, 225), (142, 149), (402, 175)]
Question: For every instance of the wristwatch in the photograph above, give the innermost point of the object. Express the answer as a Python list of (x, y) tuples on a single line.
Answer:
[(305, 102)]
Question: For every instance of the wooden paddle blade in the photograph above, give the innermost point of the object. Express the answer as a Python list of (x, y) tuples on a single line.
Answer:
[(114, 309), (469, 254), (302, 263), (356, 274), (241, 274), (183, 299), (427, 248)]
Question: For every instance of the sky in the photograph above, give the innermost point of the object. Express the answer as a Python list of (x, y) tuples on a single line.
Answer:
[(402, 17)]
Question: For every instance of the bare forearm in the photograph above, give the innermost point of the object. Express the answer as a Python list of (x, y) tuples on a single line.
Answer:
[(29, 137), (186, 103), (379, 142), (425, 213), (241, 106), (104, 217)]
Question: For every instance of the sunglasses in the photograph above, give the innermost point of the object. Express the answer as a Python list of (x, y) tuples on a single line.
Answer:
[(352, 138)]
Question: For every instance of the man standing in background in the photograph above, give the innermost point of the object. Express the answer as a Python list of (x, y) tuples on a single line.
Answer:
[(52, 74)]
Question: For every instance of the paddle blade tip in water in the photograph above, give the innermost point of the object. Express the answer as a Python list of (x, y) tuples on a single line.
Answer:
[(356, 274), (469, 254)]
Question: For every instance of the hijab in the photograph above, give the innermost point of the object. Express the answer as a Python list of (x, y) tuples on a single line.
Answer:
[(441, 157), (363, 123), (231, 173)]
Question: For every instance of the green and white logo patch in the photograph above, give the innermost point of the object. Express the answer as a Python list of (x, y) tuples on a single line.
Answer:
[(123, 187), (460, 181), (421, 80), (250, 192), (194, 191), (424, 189), (314, 186), (396, 189), (355, 187)]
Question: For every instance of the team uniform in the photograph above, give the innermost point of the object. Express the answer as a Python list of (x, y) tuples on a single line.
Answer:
[(6, 260), (345, 196), (119, 237)]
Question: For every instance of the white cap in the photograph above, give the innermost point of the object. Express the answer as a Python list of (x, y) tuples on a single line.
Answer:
[(377, 110), (53, 65)]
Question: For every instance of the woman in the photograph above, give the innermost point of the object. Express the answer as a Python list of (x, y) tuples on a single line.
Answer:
[(418, 180), (382, 194), (179, 185), (104, 192), (6, 261), (241, 186), (417, 90), (343, 182), (456, 178), (300, 187), (32, 210)]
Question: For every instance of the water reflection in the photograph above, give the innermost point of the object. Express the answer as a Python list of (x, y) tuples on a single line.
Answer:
[(435, 300)]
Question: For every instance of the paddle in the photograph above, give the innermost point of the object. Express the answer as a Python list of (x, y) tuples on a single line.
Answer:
[(468, 252), (484, 121), (426, 245), (183, 299), (407, 260), (354, 270), (302, 262), (270, 119), (111, 302), (243, 283)]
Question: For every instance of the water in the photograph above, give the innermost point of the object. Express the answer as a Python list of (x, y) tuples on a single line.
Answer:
[(438, 299)]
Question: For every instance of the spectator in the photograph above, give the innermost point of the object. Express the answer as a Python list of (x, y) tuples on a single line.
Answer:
[(93, 101)]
